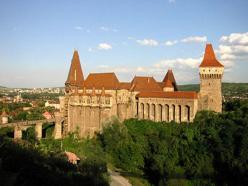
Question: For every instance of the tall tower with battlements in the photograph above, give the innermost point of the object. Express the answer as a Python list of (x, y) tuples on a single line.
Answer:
[(211, 72)]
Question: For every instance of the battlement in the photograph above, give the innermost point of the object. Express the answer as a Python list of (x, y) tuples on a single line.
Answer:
[(92, 101)]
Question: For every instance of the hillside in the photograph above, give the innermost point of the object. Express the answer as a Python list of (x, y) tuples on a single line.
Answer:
[(228, 89)]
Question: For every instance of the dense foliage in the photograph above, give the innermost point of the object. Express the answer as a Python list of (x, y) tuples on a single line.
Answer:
[(213, 150), (24, 164)]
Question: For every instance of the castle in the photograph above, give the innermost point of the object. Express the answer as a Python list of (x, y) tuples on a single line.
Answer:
[(89, 103)]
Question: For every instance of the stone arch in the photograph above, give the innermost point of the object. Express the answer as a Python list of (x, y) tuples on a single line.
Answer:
[(147, 111), (173, 107), (167, 113), (159, 112), (187, 113), (153, 112), (142, 111)]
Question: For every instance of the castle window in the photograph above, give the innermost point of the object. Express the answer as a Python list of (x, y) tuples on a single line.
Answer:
[(209, 84)]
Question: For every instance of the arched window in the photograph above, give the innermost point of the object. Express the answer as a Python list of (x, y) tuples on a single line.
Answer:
[(180, 113), (173, 113), (160, 108)]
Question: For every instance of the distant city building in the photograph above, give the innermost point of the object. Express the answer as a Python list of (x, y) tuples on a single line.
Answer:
[(90, 103), (54, 104), (18, 98), (47, 115)]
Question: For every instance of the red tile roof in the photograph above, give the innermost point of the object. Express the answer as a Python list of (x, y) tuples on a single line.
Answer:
[(169, 76), (98, 80), (209, 59), (75, 76), (124, 85), (144, 84), (177, 94), (168, 83)]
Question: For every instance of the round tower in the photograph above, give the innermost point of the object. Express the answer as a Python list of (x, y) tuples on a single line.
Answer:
[(211, 72)]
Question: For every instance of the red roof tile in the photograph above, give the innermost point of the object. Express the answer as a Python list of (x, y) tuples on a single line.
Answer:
[(124, 85), (209, 59), (144, 84), (169, 76), (98, 80), (75, 76), (168, 83), (177, 94)]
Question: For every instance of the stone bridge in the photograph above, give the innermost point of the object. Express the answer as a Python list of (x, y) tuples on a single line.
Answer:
[(23, 125)]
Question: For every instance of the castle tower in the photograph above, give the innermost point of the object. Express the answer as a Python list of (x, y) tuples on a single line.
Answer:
[(170, 79), (75, 77), (74, 81), (211, 72)]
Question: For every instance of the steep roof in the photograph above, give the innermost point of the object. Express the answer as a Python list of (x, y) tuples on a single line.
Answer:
[(75, 76), (100, 80), (168, 83), (144, 84), (209, 59), (170, 76), (177, 94)]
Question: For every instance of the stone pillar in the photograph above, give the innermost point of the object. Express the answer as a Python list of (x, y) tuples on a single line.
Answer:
[(38, 130), (163, 113), (58, 130), (156, 113), (17, 132), (58, 126), (140, 112)]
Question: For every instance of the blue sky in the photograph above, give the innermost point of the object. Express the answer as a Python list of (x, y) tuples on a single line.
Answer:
[(141, 37)]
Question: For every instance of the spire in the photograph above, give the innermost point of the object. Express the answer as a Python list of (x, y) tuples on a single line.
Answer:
[(169, 76), (209, 59), (75, 76)]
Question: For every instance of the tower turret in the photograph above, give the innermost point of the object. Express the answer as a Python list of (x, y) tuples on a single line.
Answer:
[(170, 76), (75, 77), (211, 72)]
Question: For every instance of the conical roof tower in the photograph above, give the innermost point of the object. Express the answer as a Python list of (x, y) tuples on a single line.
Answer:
[(170, 76), (75, 76), (209, 59)]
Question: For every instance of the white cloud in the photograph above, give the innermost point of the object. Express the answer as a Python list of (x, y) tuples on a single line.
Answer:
[(183, 66), (147, 42), (195, 39), (233, 48), (170, 43), (78, 28), (107, 29), (104, 46), (179, 63), (236, 38), (172, 1)]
